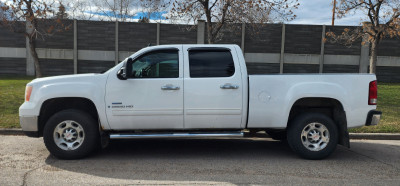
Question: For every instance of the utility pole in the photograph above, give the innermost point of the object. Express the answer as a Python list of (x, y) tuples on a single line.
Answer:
[(333, 12)]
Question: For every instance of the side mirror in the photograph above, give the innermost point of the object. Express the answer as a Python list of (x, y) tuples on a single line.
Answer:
[(122, 73)]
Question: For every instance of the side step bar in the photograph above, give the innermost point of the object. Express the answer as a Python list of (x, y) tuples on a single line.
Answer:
[(174, 135)]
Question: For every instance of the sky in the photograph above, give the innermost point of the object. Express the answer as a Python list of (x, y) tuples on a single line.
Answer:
[(316, 12), (137, 16), (319, 12)]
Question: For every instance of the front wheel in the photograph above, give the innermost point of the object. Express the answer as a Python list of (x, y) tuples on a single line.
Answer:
[(312, 136), (71, 134)]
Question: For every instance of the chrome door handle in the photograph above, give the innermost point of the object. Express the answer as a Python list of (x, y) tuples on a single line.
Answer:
[(229, 86), (169, 87)]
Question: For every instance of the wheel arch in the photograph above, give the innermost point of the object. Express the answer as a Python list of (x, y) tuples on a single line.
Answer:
[(330, 107), (54, 105)]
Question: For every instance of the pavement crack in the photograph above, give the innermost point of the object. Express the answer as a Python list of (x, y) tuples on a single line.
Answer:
[(24, 178), (26, 175)]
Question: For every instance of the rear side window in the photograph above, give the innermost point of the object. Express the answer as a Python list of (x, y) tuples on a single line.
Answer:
[(211, 63)]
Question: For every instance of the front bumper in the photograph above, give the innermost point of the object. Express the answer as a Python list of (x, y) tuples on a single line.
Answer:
[(373, 117), (29, 125)]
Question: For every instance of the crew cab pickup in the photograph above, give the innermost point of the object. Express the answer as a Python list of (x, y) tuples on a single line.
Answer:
[(196, 91)]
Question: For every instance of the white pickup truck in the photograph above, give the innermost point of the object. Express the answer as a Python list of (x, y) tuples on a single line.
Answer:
[(196, 91)]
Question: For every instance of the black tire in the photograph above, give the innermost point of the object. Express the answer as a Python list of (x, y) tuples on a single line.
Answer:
[(277, 134), (87, 134), (306, 145)]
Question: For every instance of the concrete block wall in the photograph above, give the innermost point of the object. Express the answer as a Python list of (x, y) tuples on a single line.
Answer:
[(388, 74), (12, 60), (177, 34), (262, 68), (93, 47), (96, 35), (90, 66), (59, 40), (265, 39), (11, 39), (300, 68), (12, 66), (95, 39), (338, 49), (230, 35), (135, 36), (388, 57), (340, 68), (54, 67), (389, 47), (303, 39)]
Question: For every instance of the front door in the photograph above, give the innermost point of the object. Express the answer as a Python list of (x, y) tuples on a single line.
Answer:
[(152, 96), (213, 88)]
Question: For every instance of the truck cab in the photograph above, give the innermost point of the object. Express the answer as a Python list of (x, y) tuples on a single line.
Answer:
[(179, 87)]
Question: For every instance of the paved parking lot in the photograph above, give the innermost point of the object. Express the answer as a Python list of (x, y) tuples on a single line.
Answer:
[(25, 161)]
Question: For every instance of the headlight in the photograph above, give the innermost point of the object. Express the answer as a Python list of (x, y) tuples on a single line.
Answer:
[(28, 92)]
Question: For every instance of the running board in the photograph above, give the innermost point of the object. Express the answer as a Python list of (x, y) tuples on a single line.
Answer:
[(174, 135)]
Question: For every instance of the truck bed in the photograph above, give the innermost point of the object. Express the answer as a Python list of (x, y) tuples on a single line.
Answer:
[(272, 96)]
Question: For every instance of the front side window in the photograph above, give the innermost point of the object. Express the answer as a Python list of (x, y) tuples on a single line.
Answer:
[(211, 63), (157, 64)]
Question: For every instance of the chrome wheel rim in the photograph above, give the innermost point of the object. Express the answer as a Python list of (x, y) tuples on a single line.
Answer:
[(315, 136), (69, 135)]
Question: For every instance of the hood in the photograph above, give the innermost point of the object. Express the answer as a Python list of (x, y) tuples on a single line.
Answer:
[(65, 78)]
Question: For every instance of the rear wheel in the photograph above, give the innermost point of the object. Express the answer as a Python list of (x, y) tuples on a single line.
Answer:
[(312, 136), (71, 134)]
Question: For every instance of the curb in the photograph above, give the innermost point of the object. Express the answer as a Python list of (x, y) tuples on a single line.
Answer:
[(375, 136), (367, 136), (11, 131)]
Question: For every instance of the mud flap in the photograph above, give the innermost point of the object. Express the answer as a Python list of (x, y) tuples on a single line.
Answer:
[(341, 121)]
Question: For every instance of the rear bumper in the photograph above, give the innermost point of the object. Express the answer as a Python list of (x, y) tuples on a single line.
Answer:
[(29, 125), (373, 117)]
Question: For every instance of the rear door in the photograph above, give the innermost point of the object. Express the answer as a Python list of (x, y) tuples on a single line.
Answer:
[(213, 88)]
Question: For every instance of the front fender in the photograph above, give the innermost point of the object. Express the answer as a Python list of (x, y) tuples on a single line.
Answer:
[(90, 88)]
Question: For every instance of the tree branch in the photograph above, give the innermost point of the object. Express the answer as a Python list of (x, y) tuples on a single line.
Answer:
[(212, 6), (378, 7), (396, 15), (221, 23)]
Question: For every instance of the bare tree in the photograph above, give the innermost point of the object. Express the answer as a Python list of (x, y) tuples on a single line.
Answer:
[(382, 20), (144, 20), (219, 13), (2, 11), (153, 9), (61, 13), (29, 17), (79, 9), (120, 10)]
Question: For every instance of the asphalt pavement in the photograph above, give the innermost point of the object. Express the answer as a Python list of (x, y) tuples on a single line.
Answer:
[(239, 161)]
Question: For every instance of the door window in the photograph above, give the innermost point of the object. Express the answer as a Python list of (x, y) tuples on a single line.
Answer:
[(157, 64), (211, 63)]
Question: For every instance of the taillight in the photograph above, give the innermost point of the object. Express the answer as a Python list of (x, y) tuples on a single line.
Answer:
[(28, 92), (373, 93)]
